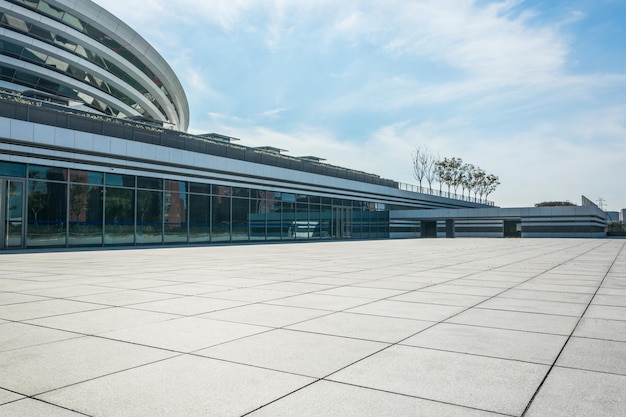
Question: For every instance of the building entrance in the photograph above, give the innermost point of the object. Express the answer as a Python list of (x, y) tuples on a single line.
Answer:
[(12, 216), (342, 223)]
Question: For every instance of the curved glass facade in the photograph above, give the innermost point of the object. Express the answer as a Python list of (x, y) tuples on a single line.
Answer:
[(108, 75), (69, 207)]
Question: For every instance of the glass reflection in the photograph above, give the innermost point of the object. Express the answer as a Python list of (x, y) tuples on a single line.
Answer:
[(175, 221), (119, 215), (199, 218), (149, 217), (85, 216), (46, 213), (220, 231)]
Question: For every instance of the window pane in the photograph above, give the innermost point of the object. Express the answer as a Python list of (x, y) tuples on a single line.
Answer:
[(119, 214), (149, 217), (38, 172), (119, 180), (176, 186), (151, 183), (195, 187), (11, 169), (175, 217), (46, 213), (85, 226), (257, 219), (240, 218), (326, 222), (199, 218), (88, 177), (221, 219)]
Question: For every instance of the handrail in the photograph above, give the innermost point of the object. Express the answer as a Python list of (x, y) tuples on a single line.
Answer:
[(441, 193)]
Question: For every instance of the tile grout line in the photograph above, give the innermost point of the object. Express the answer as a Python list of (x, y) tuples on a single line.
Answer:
[(532, 399)]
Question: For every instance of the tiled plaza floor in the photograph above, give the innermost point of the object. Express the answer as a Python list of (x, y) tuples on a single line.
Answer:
[(432, 327)]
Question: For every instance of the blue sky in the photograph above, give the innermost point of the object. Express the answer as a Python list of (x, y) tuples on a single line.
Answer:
[(533, 91)]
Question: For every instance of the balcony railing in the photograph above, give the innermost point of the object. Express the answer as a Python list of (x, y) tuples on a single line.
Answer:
[(445, 194)]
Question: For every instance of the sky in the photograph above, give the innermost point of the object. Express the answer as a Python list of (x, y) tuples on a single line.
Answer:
[(533, 91)]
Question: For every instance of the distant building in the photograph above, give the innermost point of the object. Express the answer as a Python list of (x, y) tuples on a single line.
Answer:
[(94, 152)]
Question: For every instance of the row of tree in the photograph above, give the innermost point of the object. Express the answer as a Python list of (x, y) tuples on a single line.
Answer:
[(453, 173)]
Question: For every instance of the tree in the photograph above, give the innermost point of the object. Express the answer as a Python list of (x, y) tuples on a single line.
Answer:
[(424, 165), (430, 173), (419, 169), (492, 183)]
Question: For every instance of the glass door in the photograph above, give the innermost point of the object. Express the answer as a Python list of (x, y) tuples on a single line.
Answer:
[(11, 213), (342, 223)]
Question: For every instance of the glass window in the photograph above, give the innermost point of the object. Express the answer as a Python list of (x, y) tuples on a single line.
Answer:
[(38, 172), (256, 219), (199, 218), (119, 215), (175, 185), (151, 183), (220, 230), (221, 190), (47, 213), (240, 192), (149, 217), (120, 180), (86, 177), (240, 207), (85, 220), (326, 216), (175, 217), (11, 169), (195, 187)]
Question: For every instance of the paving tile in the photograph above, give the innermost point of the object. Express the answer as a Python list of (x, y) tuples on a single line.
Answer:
[(188, 306), (120, 298), (319, 301), (609, 300), (69, 361), (16, 298), (363, 326), (136, 284), (535, 306), (594, 355), (499, 343), (605, 312), (291, 351), (602, 329), (565, 297), (295, 286), (188, 289), (489, 384), (182, 386), (46, 308), (361, 292), (330, 399), (440, 298), (515, 320), (558, 287), (64, 290), (403, 309), (393, 284), (18, 336), (463, 289), (185, 334), (484, 283), (265, 315), (251, 295), (34, 408), (8, 396), (573, 392), (100, 321)]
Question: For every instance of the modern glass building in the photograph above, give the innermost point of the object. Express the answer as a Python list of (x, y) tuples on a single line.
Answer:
[(94, 151)]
